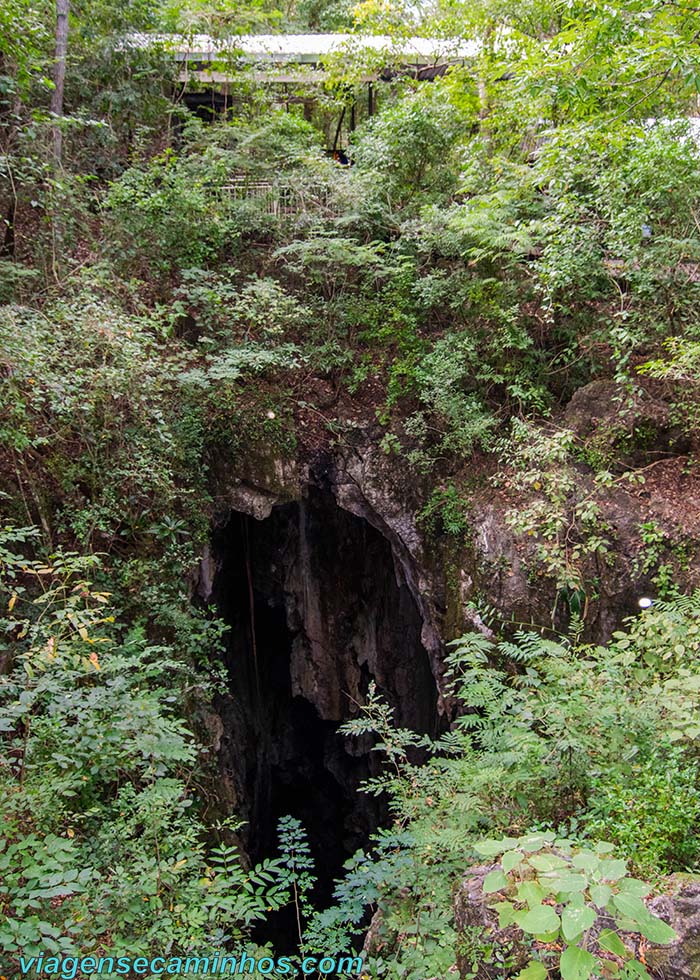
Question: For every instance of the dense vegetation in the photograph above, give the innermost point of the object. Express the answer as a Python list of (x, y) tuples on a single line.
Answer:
[(519, 228)]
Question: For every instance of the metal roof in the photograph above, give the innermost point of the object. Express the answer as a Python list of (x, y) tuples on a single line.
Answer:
[(308, 48)]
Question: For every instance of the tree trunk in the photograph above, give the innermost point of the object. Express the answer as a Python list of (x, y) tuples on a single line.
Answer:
[(59, 73)]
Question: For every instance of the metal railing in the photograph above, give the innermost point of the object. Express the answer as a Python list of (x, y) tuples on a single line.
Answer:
[(281, 199)]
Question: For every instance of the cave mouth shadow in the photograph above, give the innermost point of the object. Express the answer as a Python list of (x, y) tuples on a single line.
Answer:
[(317, 609)]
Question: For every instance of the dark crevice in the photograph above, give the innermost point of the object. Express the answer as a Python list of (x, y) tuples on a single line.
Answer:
[(317, 611)]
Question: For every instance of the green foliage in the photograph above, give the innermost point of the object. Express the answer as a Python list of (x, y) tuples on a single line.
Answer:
[(632, 240), (92, 417), (596, 741), (678, 366), (557, 893), (171, 213), (191, 209), (652, 812), (15, 280), (562, 514), (222, 310), (23, 40), (97, 779), (446, 512), (296, 858), (597, 710), (320, 16), (182, 294), (657, 546), (220, 17), (409, 148)]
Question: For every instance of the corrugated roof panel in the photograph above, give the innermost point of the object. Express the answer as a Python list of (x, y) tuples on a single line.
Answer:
[(308, 48)]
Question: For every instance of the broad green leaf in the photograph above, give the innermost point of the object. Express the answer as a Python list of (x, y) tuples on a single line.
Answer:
[(601, 895), (586, 861), (633, 886), (649, 925), (491, 848), (535, 842), (576, 964), (541, 918), (612, 869), (534, 971), (608, 939), (511, 860), (547, 862), (567, 882), (623, 923), (506, 913), (657, 931), (531, 892), (631, 906), (576, 921), (494, 882)]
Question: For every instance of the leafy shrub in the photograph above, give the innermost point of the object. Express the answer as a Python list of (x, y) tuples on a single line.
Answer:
[(652, 813), (610, 227), (15, 280), (106, 428), (409, 148), (190, 210), (446, 511), (551, 734), (565, 896), (103, 840), (562, 513), (173, 214), (260, 308)]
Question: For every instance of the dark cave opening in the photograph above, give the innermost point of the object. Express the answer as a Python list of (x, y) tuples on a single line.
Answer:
[(317, 608)]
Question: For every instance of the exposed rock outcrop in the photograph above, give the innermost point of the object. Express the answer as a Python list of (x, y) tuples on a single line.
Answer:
[(492, 564), (681, 909), (330, 579)]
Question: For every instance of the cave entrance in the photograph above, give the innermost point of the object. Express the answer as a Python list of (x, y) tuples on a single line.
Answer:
[(317, 609)]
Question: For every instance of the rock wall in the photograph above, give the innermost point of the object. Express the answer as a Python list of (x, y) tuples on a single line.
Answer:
[(491, 565)]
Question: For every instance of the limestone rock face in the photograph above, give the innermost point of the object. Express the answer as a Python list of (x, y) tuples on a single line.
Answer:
[(331, 580), (605, 409), (492, 565), (681, 909), (319, 609)]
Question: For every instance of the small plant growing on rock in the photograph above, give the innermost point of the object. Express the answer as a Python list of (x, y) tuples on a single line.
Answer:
[(572, 902)]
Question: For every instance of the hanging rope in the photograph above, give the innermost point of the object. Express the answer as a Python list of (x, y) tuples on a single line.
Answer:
[(251, 603)]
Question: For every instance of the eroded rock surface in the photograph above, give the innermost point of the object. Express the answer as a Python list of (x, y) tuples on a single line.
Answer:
[(681, 909)]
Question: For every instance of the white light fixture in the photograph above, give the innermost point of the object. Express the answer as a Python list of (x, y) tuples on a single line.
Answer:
[(645, 602)]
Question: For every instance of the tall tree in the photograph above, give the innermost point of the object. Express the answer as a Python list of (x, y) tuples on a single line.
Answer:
[(59, 74)]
